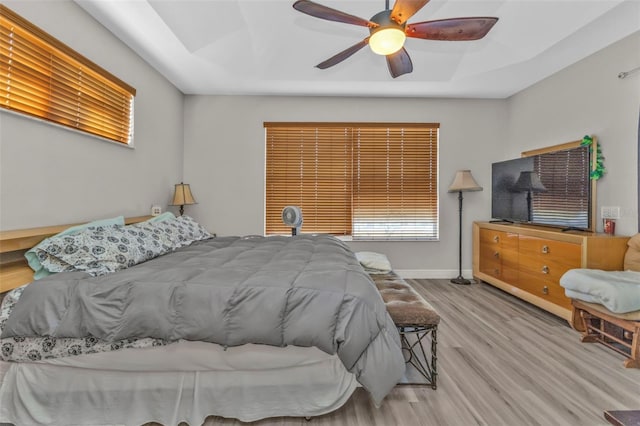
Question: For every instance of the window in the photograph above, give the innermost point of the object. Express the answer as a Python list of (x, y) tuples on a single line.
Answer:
[(372, 181), (44, 78)]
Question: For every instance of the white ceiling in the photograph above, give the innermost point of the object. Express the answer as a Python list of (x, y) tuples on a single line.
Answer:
[(267, 47)]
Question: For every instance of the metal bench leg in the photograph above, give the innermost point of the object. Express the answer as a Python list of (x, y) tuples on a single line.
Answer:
[(416, 355)]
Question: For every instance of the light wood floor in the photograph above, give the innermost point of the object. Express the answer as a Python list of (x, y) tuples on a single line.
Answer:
[(501, 361)]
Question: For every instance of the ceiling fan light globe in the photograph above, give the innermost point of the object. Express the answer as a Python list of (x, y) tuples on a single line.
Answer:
[(387, 41)]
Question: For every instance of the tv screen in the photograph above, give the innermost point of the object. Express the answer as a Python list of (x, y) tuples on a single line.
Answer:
[(551, 189)]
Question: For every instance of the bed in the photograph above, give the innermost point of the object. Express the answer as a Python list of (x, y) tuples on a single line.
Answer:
[(241, 327)]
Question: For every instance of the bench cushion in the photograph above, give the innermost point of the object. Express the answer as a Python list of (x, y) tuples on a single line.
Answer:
[(405, 305)]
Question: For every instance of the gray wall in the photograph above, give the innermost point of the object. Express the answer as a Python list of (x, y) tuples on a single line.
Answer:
[(224, 162), (224, 147), (589, 98), (50, 175)]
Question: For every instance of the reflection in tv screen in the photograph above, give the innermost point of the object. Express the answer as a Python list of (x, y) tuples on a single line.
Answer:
[(547, 189)]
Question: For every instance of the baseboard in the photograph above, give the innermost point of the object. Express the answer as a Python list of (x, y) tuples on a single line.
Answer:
[(432, 273)]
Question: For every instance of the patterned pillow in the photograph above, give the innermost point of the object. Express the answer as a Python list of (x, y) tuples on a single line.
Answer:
[(178, 231), (100, 250), (191, 229), (34, 261), (104, 249), (55, 253)]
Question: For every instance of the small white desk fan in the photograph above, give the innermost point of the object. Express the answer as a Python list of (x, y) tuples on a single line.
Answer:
[(292, 217)]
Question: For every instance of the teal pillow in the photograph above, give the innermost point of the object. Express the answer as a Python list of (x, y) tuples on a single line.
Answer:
[(32, 258), (161, 217)]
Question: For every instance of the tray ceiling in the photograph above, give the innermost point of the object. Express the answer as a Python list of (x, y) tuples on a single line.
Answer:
[(266, 47)]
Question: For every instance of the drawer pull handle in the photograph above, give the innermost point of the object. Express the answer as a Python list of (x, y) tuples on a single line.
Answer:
[(545, 249), (496, 272), (545, 269), (545, 290), (496, 254), (496, 239)]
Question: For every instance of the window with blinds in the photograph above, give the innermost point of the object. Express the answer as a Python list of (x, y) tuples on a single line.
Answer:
[(44, 78), (565, 175), (372, 181)]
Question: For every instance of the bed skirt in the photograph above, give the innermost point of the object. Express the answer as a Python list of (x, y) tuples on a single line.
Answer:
[(183, 382)]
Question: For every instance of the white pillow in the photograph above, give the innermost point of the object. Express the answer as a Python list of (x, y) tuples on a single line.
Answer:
[(376, 262)]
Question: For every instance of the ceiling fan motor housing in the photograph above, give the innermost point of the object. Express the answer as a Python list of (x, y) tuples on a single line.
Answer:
[(383, 19), (388, 36)]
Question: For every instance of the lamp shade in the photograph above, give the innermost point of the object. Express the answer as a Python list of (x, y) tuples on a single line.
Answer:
[(182, 195), (529, 181), (464, 182)]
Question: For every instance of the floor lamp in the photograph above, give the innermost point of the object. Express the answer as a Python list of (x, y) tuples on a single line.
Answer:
[(463, 182)]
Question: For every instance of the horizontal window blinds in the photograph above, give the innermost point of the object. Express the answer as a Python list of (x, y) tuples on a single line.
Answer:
[(311, 168), (565, 176), (395, 183), (368, 180), (46, 79)]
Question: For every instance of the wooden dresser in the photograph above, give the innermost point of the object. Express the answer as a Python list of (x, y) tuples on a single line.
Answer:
[(528, 261)]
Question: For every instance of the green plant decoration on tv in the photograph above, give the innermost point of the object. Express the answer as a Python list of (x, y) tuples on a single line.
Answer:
[(599, 170)]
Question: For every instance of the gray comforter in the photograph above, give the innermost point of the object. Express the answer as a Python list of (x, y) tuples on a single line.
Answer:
[(303, 291)]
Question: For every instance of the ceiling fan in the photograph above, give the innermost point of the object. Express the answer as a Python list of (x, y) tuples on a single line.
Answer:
[(388, 31)]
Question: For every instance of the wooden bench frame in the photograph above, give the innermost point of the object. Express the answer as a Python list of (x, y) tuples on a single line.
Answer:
[(595, 327)]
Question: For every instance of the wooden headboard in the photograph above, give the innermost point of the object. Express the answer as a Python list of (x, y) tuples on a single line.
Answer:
[(14, 270)]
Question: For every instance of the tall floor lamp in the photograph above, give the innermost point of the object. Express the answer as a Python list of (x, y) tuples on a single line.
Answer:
[(463, 182)]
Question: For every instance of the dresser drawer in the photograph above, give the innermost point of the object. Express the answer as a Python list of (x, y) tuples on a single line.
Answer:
[(541, 264), (560, 251), (546, 267), (498, 255), (490, 252), (489, 237), (490, 261), (544, 288)]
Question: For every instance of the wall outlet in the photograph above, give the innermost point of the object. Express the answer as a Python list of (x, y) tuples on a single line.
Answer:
[(610, 212)]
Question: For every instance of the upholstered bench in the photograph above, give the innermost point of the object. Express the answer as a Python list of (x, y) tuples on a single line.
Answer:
[(416, 320)]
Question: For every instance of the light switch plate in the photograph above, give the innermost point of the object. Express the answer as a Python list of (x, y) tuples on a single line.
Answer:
[(610, 212)]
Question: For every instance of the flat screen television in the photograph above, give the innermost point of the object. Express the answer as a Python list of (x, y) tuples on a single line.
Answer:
[(551, 188)]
